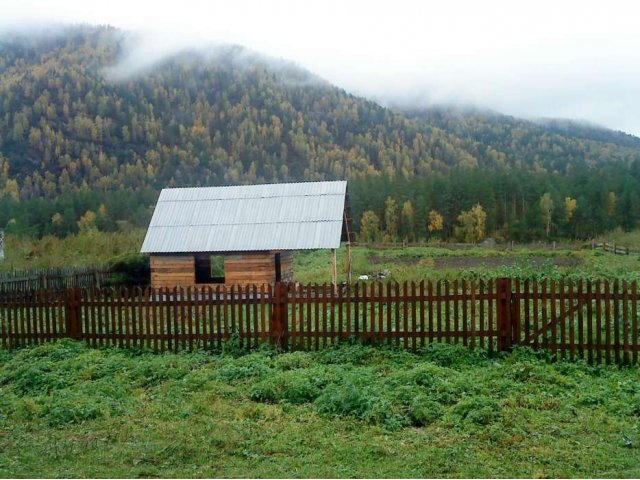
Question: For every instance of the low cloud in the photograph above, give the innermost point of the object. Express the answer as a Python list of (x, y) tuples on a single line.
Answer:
[(546, 58)]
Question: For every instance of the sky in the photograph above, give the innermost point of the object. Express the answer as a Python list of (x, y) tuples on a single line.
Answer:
[(532, 59)]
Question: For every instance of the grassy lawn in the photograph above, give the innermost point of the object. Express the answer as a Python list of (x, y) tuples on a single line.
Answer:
[(412, 263), (353, 411), (418, 263), (85, 249)]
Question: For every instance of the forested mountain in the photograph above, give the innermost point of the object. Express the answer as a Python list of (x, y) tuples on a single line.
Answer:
[(81, 147), (549, 145)]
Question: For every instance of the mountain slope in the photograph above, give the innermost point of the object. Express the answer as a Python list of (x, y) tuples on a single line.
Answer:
[(86, 141), (194, 119), (547, 145), (226, 116)]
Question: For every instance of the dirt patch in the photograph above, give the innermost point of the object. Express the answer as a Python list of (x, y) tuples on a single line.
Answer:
[(442, 263), (377, 260)]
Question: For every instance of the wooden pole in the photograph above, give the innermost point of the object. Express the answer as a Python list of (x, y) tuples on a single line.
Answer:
[(504, 314), (348, 262), (278, 326), (334, 271)]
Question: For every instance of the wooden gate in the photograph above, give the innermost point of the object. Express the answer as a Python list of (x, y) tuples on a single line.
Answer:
[(592, 320)]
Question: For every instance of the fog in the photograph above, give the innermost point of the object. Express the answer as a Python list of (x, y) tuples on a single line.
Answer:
[(569, 59)]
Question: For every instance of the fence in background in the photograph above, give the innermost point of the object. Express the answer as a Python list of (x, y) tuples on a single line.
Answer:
[(594, 320), (613, 248), (53, 279)]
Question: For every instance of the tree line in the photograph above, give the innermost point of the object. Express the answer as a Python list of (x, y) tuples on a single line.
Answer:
[(459, 205), (522, 206)]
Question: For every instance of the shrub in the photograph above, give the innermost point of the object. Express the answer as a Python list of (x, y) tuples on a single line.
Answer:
[(480, 410), (294, 386), (255, 365), (423, 411), (447, 355), (293, 360), (346, 399), (130, 270), (72, 408)]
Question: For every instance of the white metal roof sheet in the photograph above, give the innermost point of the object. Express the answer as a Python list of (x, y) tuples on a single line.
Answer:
[(291, 216)]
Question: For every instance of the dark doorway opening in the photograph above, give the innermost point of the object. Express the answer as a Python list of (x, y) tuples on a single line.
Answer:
[(278, 268)]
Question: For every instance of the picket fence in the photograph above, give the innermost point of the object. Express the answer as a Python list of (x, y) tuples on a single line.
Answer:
[(53, 279), (594, 320)]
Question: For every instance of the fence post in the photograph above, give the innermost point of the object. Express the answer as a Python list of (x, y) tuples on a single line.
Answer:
[(73, 314), (279, 321), (514, 301), (504, 314)]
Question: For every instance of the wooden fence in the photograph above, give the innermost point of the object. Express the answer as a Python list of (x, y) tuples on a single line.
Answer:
[(53, 279), (614, 248), (595, 320)]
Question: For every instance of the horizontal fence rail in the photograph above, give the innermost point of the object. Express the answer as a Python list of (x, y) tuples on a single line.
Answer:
[(614, 248), (594, 320), (53, 279)]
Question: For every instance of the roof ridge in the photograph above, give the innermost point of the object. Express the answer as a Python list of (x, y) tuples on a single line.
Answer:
[(252, 198), (257, 185)]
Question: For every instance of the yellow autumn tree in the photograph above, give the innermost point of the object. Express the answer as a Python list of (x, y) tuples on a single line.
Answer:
[(473, 224), (391, 219), (436, 221), (407, 224), (546, 211), (369, 227), (87, 221), (570, 205), (57, 219)]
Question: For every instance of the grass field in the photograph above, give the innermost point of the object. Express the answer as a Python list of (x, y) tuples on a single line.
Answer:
[(353, 411), (418, 263), (85, 249), (412, 263)]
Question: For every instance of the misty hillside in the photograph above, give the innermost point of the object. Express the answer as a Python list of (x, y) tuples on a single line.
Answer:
[(226, 117), (193, 119), (84, 135), (546, 145)]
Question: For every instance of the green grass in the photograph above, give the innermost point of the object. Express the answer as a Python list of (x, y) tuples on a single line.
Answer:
[(432, 263), (624, 239), (411, 263), (85, 249), (353, 411)]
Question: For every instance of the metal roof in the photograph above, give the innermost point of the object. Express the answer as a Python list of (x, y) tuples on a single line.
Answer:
[(286, 216)]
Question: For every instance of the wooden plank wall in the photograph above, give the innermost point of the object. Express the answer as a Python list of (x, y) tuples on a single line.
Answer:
[(172, 270), (246, 268), (286, 265), (249, 268)]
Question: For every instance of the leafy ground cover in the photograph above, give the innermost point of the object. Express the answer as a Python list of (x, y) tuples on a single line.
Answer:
[(410, 264), (84, 249), (351, 411), (432, 263)]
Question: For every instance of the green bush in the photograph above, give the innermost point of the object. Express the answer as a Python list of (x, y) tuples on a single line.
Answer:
[(424, 411), (447, 355), (480, 410), (242, 368), (293, 386), (130, 270), (293, 360)]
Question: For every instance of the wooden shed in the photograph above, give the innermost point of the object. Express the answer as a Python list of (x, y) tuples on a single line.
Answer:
[(240, 235)]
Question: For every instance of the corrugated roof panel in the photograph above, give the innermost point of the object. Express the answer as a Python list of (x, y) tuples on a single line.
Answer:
[(244, 218), (252, 210), (230, 238), (253, 191)]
